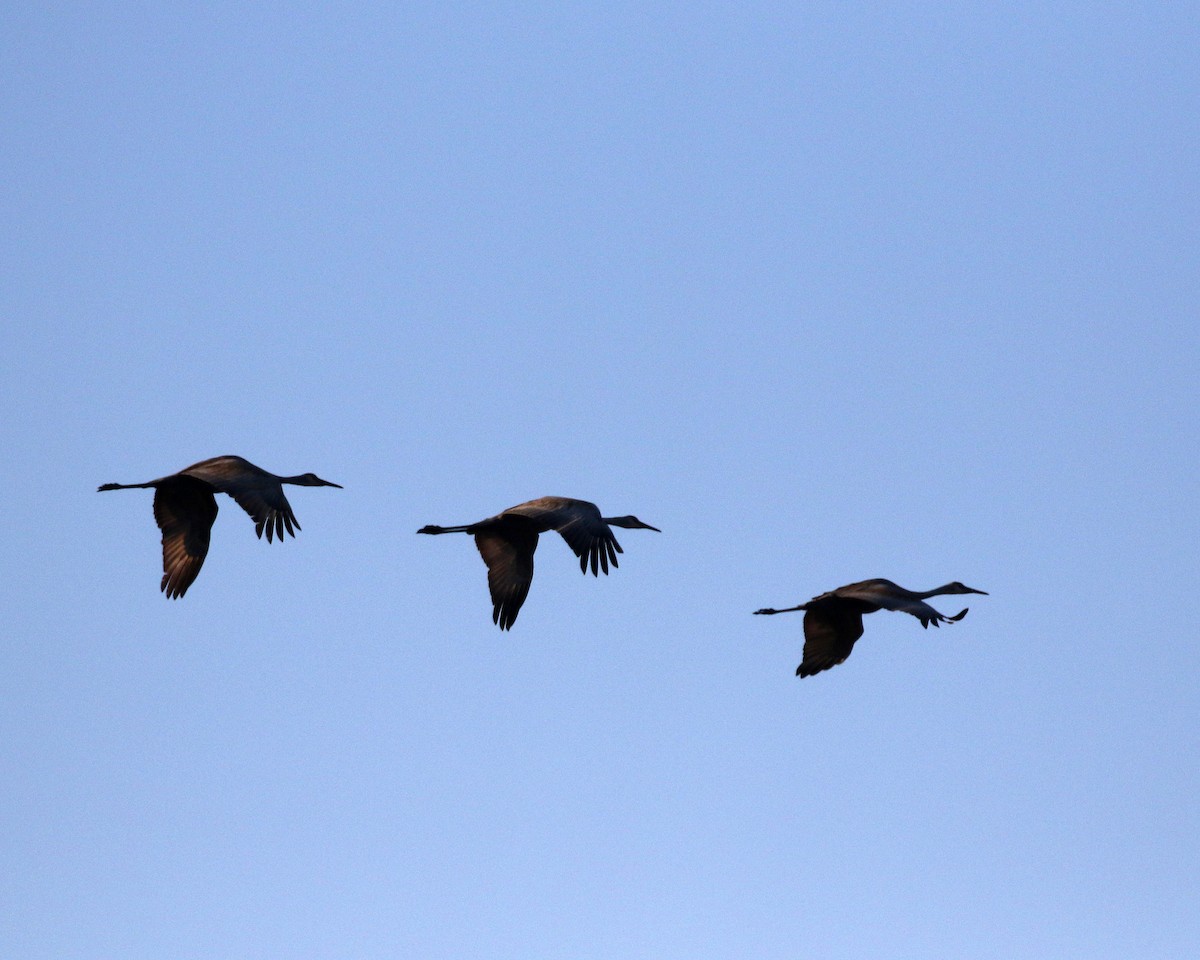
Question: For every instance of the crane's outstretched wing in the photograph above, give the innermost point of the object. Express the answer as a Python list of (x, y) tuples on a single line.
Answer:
[(184, 509), (579, 523), (507, 548), (830, 632), (260, 496), (882, 595), (919, 609), (938, 618), (592, 541)]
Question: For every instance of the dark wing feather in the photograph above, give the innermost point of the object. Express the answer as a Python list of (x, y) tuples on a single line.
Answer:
[(830, 631), (261, 497), (592, 541), (937, 618), (580, 524), (184, 509), (507, 548)]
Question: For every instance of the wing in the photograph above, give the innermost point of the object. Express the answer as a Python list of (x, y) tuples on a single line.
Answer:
[(929, 615), (507, 548), (256, 492), (885, 595), (579, 523), (830, 632), (184, 509), (592, 541), (919, 609)]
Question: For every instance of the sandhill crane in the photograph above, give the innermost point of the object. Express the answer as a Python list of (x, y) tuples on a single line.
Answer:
[(833, 621), (507, 542), (185, 508)]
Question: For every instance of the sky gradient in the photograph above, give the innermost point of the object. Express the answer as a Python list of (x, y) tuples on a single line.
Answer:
[(878, 290)]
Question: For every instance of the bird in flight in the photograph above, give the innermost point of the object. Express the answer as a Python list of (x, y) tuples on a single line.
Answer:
[(507, 542), (185, 507), (833, 621)]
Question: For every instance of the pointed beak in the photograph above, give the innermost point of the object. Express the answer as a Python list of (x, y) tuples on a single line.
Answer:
[(973, 590), (330, 483), (648, 527)]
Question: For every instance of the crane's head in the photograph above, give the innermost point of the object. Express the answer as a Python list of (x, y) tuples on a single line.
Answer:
[(957, 587), (630, 523), (312, 480)]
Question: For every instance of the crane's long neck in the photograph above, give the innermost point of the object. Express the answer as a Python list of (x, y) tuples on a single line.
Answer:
[(936, 591), (124, 486)]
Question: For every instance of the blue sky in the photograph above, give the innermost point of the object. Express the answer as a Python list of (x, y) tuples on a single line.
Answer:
[(830, 293)]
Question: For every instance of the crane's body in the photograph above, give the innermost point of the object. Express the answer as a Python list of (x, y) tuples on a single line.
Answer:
[(508, 540), (185, 508), (833, 620)]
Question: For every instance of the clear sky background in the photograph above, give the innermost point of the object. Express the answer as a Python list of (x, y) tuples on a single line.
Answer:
[(825, 291)]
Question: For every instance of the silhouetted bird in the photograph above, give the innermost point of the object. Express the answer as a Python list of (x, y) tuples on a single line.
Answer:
[(833, 621), (185, 508), (507, 542)]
